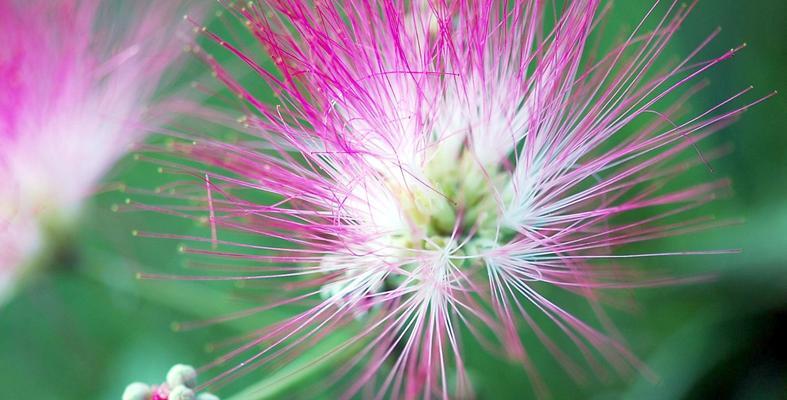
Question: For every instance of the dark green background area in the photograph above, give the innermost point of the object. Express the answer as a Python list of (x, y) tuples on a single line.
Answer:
[(88, 327)]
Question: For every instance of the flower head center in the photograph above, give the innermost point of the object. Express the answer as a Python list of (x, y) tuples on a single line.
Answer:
[(460, 201)]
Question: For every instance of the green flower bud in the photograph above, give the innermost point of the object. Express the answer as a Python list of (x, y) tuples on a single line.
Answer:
[(182, 375), (137, 391), (181, 393)]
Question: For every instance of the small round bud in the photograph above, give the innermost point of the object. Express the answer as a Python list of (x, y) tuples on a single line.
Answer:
[(182, 375), (207, 396), (136, 391), (181, 393)]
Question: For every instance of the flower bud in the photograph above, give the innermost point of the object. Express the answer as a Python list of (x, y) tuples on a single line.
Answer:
[(136, 391), (181, 393), (182, 375)]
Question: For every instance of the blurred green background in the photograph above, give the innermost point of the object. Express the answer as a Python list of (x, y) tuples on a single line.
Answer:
[(88, 327)]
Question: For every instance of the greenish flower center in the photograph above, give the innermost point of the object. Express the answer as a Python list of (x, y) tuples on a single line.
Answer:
[(463, 202)]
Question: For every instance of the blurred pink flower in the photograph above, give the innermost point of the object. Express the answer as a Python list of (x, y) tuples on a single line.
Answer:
[(76, 77), (434, 169)]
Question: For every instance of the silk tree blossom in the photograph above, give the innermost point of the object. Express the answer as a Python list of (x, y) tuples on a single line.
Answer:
[(75, 82), (433, 172)]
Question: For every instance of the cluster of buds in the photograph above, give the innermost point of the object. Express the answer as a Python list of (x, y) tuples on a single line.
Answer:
[(181, 384)]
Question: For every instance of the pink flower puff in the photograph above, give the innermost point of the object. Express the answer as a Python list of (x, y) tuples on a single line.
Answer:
[(76, 80), (413, 175)]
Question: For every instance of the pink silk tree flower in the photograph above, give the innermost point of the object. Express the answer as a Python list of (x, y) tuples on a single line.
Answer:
[(76, 78), (432, 173)]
